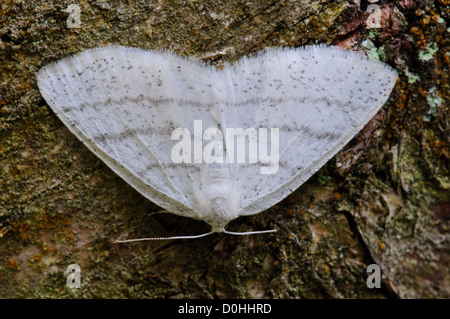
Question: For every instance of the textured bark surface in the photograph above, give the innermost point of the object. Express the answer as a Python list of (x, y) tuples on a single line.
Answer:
[(383, 199)]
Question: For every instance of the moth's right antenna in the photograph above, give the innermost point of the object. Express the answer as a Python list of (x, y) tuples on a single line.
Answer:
[(250, 232)]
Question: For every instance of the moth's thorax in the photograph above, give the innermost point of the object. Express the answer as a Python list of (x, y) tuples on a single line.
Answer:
[(218, 200)]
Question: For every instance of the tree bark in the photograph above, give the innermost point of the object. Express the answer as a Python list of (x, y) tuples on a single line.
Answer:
[(384, 199)]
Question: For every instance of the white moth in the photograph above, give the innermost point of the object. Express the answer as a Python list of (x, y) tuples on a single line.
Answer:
[(167, 124)]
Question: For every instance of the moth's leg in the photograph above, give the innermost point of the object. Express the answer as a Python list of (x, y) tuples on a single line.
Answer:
[(160, 212)]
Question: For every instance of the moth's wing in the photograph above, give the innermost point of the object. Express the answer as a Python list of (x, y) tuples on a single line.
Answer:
[(123, 104), (318, 97)]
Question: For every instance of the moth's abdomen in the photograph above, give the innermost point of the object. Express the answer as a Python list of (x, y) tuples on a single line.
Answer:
[(218, 200)]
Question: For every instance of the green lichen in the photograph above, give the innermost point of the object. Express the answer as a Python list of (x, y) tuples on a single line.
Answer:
[(322, 179), (427, 55), (373, 34), (412, 78), (434, 102), (374, 53)]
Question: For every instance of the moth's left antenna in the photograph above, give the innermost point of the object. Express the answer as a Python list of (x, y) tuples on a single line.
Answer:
[(163, 238), (250, 232)]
